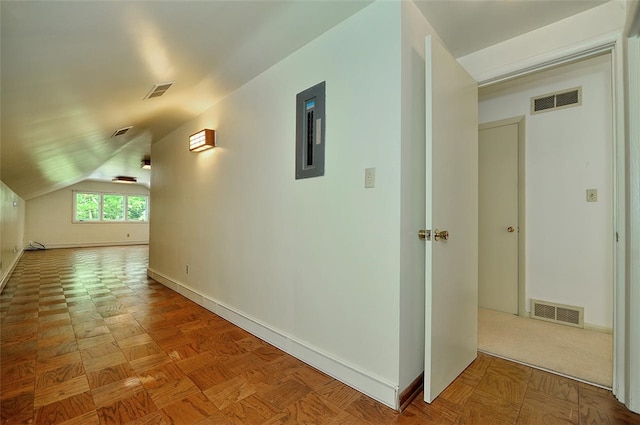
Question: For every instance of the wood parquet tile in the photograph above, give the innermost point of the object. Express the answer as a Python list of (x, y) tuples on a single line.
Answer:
[(88, 339)]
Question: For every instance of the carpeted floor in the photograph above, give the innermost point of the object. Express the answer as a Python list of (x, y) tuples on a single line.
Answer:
[(582, 354)]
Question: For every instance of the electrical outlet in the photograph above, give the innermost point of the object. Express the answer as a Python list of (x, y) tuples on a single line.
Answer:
[(369, 177), (592, 195)]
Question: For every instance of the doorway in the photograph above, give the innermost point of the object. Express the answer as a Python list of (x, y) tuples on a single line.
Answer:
[(569, 155)]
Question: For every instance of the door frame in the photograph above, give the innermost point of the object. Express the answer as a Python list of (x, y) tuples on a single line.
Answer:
[(520, 122), (623, 348)]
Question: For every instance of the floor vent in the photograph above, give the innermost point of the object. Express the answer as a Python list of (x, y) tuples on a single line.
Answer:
[(558, 100), (557, 313)]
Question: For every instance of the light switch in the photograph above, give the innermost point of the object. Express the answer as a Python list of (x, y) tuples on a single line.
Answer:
[(369, 177), (592, 195)]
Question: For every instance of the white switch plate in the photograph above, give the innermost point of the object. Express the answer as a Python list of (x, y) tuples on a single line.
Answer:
[(369, 177), (592, 195)]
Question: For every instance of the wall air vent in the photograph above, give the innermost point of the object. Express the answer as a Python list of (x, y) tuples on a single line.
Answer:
[(557, 313), (558, 100), (121, 131), (158, 90)]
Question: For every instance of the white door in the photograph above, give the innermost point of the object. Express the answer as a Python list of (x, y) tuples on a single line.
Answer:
[(498, 218), (451, 275)]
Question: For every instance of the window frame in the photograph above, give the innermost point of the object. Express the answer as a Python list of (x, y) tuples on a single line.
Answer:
[(102, 220)]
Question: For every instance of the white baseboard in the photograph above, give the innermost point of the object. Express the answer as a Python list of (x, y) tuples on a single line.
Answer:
[(12, 266), (598, 328), (93, 244), (351, 375)]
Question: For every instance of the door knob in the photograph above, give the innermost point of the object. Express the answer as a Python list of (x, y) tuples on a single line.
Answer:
[(441, 234), (424, 234), (510, 229)]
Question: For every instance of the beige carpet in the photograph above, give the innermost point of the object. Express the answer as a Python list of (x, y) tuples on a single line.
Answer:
[(582, 354)]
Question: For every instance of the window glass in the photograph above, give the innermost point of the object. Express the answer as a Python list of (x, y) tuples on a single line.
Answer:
[(113, 207), (136, 208), (110, 207), (87, 206)]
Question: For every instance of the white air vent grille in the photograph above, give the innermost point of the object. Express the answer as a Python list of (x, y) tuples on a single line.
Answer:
[(557, 313), (121, 131), (558, 100), (158, 90)]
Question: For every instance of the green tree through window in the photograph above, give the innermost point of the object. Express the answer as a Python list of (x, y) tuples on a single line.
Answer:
[(110, 207), (87, 206), (137, 208), (113, 206)]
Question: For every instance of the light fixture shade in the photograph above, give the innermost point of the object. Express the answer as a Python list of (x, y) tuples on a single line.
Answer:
[(202, 140), (124, 179), (145, 164)]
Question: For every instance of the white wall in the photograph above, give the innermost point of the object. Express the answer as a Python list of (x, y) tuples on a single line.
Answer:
[(569, 241), (315, 262), (49, 220), (12, 213)]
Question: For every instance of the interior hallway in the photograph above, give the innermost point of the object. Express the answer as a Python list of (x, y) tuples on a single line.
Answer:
[(87, 338)]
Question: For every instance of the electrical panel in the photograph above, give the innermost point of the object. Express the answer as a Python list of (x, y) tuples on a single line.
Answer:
[(310, 128)]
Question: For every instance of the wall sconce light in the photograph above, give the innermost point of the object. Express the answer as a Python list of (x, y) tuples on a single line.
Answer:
[(145, 164), (202, 140), (124, 179)]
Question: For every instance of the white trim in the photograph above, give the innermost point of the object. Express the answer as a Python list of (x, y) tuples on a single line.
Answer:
[(352, 375), (561, 56), (632, 396), (93, 244), (428, 264), (12, 267), (546, 61), (598, 328)]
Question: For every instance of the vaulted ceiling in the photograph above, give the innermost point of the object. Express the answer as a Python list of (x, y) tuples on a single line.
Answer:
[(73, 73)]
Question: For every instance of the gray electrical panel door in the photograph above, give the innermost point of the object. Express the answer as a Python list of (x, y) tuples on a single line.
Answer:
[(310, 125)]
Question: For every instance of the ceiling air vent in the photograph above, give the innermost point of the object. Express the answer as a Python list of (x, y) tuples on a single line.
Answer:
[(158, 90), (558, 100), (121, 131)]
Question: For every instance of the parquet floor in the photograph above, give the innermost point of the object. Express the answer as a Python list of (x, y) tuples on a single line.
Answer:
[(88, 339)]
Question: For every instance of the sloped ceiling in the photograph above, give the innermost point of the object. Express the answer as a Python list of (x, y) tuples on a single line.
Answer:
[(72, 73), (75, 72)]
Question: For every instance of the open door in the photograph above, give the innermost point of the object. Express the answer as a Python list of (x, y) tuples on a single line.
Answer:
[(451, 272)]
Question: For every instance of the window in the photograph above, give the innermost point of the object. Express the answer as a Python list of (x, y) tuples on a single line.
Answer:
[(136, 208), (113, 207), (95, 207), (88, 206)]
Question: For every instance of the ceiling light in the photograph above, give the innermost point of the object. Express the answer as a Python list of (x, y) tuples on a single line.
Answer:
[(124, 179), (202, 140), (145, 164), (158, 90)]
